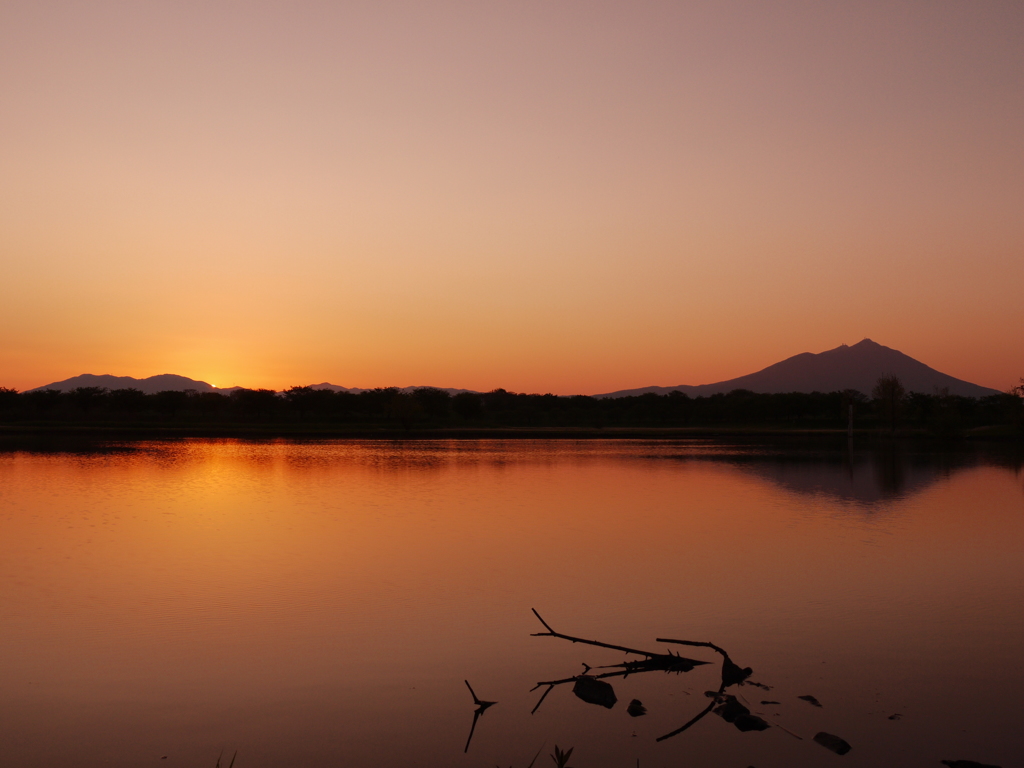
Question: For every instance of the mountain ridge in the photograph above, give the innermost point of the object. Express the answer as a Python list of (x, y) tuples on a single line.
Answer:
[(162, 382), (173, 382), (357, 390), (855, 367)]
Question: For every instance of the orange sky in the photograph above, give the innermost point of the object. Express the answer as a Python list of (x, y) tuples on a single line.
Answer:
[(553, 197)]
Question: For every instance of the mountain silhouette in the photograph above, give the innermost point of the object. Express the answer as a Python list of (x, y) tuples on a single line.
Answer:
[(169, 381), (161, 383), (858, 367), (357, 390)]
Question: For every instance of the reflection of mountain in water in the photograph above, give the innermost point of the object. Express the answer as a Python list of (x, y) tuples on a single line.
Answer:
[(822, 466), (866, 476), (863, 479)]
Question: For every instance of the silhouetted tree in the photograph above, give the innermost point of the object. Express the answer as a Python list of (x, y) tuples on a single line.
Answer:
[(405, 409), (376, 404), (87, 399), (9, 402), (43, 403), (468, 405), (1014, 407), (889, 393), (256, 403), (127, 402), (210, 405), (170, 402), (850, 398), (945, 418), (940, 412), (435, 403), (301, 399)]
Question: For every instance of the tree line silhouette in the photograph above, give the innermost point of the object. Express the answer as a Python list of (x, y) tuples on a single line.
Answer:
[(427, 408)]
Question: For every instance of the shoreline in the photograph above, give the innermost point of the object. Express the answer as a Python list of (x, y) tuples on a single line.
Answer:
[(269, 431)]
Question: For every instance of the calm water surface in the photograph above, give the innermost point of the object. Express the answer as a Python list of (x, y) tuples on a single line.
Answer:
[(321, 604)]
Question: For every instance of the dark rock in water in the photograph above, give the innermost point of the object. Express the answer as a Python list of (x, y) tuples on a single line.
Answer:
[(751, 723), (732, 674), (829, 741), (897, 716), (810, 699), (766, 703), (594, 691), (967, 764), (733, 712), (730, 708), (636, 709)]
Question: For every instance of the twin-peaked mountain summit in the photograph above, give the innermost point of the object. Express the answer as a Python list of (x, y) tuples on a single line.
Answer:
[(846, 367), (165, 382)]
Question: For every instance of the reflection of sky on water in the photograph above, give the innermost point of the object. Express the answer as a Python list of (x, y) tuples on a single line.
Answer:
[(323, 602), (832, 468)]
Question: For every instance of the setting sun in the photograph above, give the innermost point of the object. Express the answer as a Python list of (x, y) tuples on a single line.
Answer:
[(561, 199)]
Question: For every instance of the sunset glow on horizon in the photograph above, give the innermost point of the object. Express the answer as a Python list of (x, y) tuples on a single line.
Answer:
[(567, 198)]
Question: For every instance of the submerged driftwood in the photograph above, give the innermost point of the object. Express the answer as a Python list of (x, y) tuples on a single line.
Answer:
[(593, 689), (481, 707)]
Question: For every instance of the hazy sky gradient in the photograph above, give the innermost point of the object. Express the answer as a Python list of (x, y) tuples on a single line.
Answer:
[(563, 197)]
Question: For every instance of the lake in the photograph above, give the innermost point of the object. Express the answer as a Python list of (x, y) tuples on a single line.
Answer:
[(322, 603)]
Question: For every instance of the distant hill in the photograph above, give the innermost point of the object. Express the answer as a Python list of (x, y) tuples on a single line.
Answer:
[(858, 367), (357, 390), (170, 381), (161, 383)]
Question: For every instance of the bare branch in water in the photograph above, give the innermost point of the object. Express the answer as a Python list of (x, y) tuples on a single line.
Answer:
[(570, 638), (732, 674), (481, 707)]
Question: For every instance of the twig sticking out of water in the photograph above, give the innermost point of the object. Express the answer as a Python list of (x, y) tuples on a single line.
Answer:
[(732, 674), (481, 707), (666, 662), (570, 638)]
